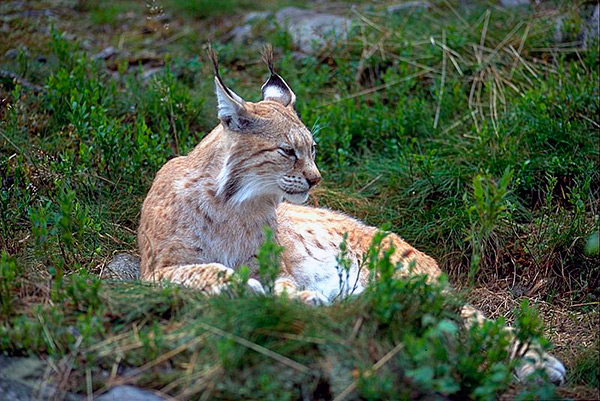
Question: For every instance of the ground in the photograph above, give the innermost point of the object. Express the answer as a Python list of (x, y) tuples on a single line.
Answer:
[(468, 128)]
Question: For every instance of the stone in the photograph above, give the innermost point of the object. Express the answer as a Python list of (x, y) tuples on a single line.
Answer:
[(244, 32), (255, 16), (106, 53), (557, 35), (310, 30), (13, 53), (408, 6), (129, 393), (590, 31), (123, 266), (241, 34), (514, 3), (22, 379)]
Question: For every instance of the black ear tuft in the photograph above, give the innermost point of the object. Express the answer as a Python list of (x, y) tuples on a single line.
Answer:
[(231, 108), (267, 56), (212, 54), (276, 89)]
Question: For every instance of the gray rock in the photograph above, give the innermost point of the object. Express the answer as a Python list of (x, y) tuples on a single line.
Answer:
[(123, 266), (13, 53), (22, 379), (408, 6), (106, 53), (244, 32), (515, 3), (590, 31), (255, 16), (128, 393), (557, 35), (147, 74), (310, 30)]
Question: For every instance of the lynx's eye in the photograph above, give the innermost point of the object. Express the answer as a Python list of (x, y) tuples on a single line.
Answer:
[(288, 151), (313, 150)]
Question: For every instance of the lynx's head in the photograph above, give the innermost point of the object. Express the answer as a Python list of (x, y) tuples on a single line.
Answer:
[(272, 152)]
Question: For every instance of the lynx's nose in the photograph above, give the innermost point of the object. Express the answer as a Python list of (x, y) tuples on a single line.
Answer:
[(312, 181)]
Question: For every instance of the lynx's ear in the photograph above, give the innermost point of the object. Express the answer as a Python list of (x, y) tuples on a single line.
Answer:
[(276, 89), (231, 108)]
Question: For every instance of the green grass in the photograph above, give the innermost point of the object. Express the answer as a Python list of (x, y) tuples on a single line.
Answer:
[(177, 341), (484, 160), (111, 12), (585, 369)]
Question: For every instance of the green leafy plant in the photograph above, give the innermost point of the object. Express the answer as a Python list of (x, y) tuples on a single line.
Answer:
[(9, 282), (489, 208), (268, 260)]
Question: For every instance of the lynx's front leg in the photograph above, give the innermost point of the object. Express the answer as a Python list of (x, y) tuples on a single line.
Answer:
[(288, 285), (211, 278)]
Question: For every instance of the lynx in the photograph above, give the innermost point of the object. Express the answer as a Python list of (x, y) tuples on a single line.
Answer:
[(205, 213)]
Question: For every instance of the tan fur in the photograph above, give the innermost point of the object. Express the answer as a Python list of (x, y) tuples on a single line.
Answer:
[(205, 213)]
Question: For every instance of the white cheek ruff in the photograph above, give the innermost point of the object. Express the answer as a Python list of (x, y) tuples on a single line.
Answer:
[(254, 187), (223, 177)]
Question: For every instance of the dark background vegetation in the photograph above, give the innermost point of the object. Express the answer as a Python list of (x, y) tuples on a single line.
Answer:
[(464, 126)]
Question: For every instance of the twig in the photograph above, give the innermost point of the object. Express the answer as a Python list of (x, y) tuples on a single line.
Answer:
[(503, 42), (174, 37), (348, 390), (456, 123), (164, 357), (455, 65), (368, 53), (408, 61), (67, 366), (479, 54), (368, 21), (18, 149), (376, 88), (441, 94), (22, 81), (594, 123), (374, 180), (356, 328), (525, 64), (523, 38), (190, 389), (255, 347), (88, 384), (493, 110), (456, 13), (586, 304), (296, 337)]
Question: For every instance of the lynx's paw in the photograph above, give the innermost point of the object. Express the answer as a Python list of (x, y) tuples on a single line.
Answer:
[(314, 298), (287, 287), (255, 286), (533, 361), (210, 278)]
